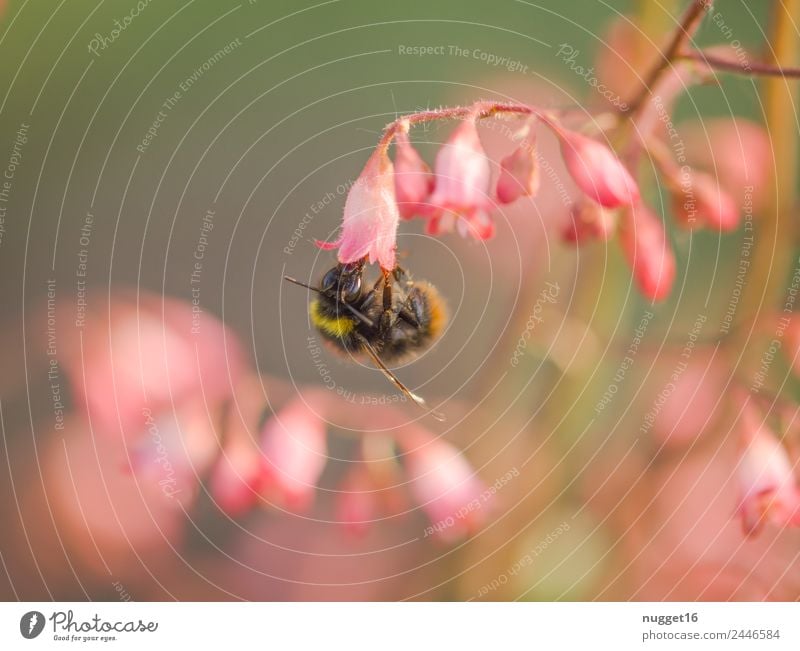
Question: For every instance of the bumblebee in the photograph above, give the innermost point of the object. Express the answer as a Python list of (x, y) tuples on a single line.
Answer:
[(394, 319)]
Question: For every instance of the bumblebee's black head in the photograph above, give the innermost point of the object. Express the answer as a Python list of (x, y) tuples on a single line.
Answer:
[(343, 282)]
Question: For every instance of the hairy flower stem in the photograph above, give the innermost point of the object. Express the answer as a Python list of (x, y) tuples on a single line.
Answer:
[(479, 109), (773, 237)]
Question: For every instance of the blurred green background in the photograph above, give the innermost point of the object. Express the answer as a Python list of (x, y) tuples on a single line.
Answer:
[(272, 127)]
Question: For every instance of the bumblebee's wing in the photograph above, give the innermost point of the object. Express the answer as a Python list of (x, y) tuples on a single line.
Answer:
[(373, 355)]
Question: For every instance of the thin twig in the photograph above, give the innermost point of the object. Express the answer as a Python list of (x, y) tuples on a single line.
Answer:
[(737, 67)]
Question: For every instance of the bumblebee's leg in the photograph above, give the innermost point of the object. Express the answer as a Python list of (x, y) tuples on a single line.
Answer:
[(399, 274), (370, 298), (413, 308), (387, 291), (373, 355)]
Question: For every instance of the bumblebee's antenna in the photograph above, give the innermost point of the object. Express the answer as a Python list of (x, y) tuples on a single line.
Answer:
[(396, 381), (353, 310)]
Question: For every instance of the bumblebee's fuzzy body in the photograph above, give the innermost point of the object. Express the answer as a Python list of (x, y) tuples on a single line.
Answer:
[(400, 322)]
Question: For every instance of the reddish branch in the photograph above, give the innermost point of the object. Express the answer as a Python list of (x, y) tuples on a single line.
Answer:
[(739, 67)]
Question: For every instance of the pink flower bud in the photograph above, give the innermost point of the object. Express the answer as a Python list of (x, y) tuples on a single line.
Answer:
[(644, 243), (519, 173), (444, 484), (589, 221), (413, 181), (371, 216), (596, 170), (767, 486), (294, 445), (462, 185)]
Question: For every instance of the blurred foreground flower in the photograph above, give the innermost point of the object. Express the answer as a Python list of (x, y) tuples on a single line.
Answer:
[(444, 484), (767, 483), (294, 444), (644, 243)]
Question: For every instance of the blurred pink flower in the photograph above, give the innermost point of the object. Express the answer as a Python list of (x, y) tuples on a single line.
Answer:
[(699, 200), (294, 444), (175, 449), (140, 353), (736, 151), (413, 180), (460, 195), (596, 169), (519, 172), (767, 485), (443, 483), (107, 518), (644, 243), (356, 502), (694, 403), (371, 215), (239, 472)]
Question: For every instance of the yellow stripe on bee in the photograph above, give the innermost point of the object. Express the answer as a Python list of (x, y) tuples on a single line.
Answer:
[(335, 327)]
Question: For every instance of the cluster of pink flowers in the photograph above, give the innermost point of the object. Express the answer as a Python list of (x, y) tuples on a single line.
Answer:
[(458, 193), (185, 410), (391, 469)]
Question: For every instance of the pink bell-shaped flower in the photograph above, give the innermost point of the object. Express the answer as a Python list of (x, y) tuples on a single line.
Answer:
[(462, 176), (371, 216), (444, 484), (767, 485), (596, 170), (519, 173), (413, 180)]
